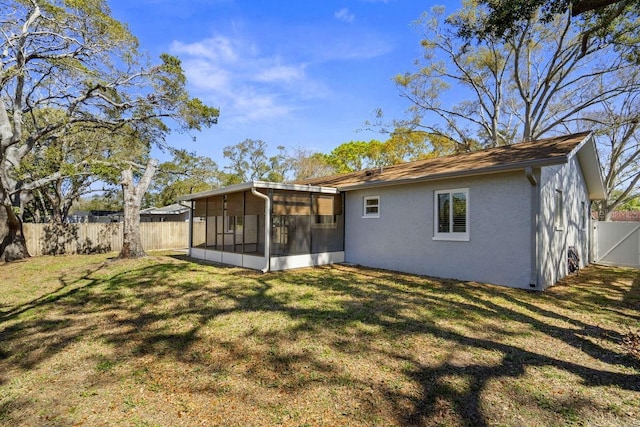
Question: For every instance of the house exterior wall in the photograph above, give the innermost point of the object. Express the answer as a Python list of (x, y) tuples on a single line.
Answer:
[(401, 238), (554, 241)]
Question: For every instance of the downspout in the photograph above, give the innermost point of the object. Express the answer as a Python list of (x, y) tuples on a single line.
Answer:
[(191, 202), (591, 233), (267, 228), (535, 204)]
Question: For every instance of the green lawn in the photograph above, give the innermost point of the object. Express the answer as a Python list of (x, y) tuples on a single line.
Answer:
[(165, 341)]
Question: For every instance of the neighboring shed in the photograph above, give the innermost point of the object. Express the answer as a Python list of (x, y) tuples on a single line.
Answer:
[(174, 212), (96, 216), (505, 215)]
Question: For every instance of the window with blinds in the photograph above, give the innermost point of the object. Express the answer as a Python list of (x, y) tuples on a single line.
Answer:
[(451, 216)]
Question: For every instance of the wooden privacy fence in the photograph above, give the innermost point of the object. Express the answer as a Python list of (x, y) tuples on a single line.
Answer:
[(56, 239)]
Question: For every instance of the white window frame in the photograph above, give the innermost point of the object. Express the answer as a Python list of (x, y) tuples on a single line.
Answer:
[(558, 215), (366, 214), (450, 235)]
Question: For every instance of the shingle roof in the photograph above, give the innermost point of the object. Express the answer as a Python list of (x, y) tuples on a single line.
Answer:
[(541, 152)]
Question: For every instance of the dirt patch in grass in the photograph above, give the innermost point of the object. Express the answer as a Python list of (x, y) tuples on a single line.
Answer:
[(165, 341)]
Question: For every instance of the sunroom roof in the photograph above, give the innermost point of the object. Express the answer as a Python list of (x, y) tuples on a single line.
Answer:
[(259, 184)]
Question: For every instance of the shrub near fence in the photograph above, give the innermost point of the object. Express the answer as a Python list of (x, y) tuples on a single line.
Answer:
[(56, 239)]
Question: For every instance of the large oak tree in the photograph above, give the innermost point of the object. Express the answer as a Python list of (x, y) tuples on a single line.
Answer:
[(612, 21), (73, 57), (538, 80), (500, 90)]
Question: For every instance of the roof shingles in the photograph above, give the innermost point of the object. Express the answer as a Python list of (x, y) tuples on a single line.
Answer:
[(539, 152)]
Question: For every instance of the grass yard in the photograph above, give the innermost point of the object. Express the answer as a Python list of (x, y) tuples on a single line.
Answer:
[(164, 341)]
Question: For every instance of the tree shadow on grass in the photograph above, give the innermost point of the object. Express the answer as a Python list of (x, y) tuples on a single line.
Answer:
[(214, 319), (582, 336), (632, 297), (68, 286)]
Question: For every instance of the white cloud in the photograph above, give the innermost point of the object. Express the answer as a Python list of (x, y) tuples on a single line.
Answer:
[(282, 73), (344, 15), (268, 78), (259, 107), (217, 48), (247, 85), (206, 75)]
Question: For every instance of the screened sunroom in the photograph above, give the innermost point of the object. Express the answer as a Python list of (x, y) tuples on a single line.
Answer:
[(267, 226)]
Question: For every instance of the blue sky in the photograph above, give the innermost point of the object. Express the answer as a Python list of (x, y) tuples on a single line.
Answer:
[(294, 73)]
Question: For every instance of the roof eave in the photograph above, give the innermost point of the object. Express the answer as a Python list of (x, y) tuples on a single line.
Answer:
[(590, 165), (258, 184)]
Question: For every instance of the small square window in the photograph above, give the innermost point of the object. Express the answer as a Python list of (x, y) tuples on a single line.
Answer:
[(371, 207)]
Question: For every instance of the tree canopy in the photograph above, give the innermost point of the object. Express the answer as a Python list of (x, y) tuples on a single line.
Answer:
[(539, 79), (530, 84), (613, 21), (73, 59), (185, 173), (248, 161)]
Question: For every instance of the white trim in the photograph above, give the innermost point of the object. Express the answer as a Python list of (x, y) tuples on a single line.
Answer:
[(365, 199), (212, 255), (305, 260), (453, 238), (590, 166), (198, 253), (450, 235), (275, 263), (254, 262), (229, 258), (232, 258), (267, 227)]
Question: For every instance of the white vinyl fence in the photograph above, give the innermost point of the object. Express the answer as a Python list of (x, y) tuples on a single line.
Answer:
[(617, 243), (50, 239)]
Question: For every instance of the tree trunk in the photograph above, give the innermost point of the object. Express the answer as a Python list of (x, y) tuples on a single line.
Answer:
[(133, 194), (131, 240), (13, 245)]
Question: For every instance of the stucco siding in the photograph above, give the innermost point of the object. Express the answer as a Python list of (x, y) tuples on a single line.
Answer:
[(554, 241), (500, 238)]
